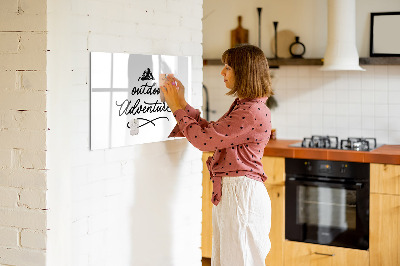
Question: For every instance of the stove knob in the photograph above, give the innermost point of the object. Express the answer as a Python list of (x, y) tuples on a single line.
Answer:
[(343, 168), (308, 166)]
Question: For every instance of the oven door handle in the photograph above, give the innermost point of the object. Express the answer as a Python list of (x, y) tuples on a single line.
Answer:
[(357, 185)]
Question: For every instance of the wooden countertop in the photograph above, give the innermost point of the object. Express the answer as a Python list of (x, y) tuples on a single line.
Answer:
[(389, 154)]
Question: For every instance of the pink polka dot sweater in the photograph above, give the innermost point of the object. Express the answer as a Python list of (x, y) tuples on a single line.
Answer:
[(238, 139)]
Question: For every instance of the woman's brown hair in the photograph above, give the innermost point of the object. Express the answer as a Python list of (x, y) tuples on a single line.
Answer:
[(250, 66)]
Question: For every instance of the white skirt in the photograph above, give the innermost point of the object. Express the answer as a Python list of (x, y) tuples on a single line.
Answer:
[(241, 223)]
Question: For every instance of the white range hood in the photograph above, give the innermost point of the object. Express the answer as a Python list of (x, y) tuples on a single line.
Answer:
[(341, 51)]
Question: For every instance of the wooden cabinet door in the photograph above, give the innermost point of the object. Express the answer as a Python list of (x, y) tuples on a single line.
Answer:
[(277, 233), (274, 168), (385, 178), (206, 226), (304, 254), (384, 237)]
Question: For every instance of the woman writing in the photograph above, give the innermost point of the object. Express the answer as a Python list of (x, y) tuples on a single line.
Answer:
[(242, 209)]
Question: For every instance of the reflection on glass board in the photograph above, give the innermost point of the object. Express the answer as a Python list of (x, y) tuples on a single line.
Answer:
[(126, 104)]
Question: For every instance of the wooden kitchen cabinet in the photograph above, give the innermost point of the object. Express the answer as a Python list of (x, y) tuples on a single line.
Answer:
[(274, 168), (277, 233), (385, 178), (206, 225), (384, 215), (305, 254), (384, 236)]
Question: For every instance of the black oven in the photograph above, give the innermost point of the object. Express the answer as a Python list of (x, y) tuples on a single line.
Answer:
[(327, 202)]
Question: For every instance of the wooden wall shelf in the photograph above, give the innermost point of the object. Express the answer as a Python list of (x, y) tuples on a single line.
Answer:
[(380, 61), (273, 63)]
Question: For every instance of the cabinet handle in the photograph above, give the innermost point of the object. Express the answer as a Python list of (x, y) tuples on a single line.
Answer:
[(324, 254)]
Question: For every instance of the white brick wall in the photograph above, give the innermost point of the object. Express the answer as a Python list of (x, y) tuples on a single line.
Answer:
[(23, 126), (138, 205)]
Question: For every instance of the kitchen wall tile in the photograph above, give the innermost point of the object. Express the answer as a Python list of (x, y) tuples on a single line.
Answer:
[(367, 133), (342, 133), (354, 80), (368, 122), (278, 71), (367, 110), (317, 121), (394, 71), (293, 120), (380, 84), (342, 109), (369, 70), (355, 132), (355, 96), (328, 74), (317, 95), (355, 109), (342, 80), (394, 97), (329, 122), (278, 83), (315, 72), (304, 72), (329, 109), (292, 82), (303, 82), (304, 131), (382, 123), (354, 122), (316, 82), (394, 110), (381, 97), (317, 131), (329, 93), (367, 96), (342, 96), (305, 95), (291, 71), (380, 71), (394, 123), (342, 122), (367, 82), (304, 109), (394, 82), (394, 137), (325, 100), (381, 110), (382, 136)]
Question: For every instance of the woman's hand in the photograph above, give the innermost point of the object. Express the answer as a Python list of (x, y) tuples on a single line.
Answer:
[(181, 92), (172, 94)]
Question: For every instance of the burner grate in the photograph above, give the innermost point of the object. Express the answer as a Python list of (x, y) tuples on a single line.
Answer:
[(358, 144), (327, 142)]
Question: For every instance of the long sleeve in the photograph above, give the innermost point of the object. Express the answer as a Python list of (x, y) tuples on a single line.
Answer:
[(231, 130), (193, 113)]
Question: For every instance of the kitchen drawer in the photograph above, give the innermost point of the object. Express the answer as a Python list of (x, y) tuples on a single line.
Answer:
[(305, 254)]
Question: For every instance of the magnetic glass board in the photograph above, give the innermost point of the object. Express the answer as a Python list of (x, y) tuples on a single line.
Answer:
[(125, 102)]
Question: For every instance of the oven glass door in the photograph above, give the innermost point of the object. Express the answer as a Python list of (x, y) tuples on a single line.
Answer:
[(326, 213)]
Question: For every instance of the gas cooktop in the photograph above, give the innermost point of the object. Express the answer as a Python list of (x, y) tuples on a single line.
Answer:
[(332, 142)]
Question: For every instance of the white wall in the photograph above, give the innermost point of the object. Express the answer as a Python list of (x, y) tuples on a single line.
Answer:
[(23, 133), (311, 102), (138, 205), (306, 19)]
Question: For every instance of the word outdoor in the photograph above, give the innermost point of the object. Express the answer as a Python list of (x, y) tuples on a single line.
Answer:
[(149, 88)]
